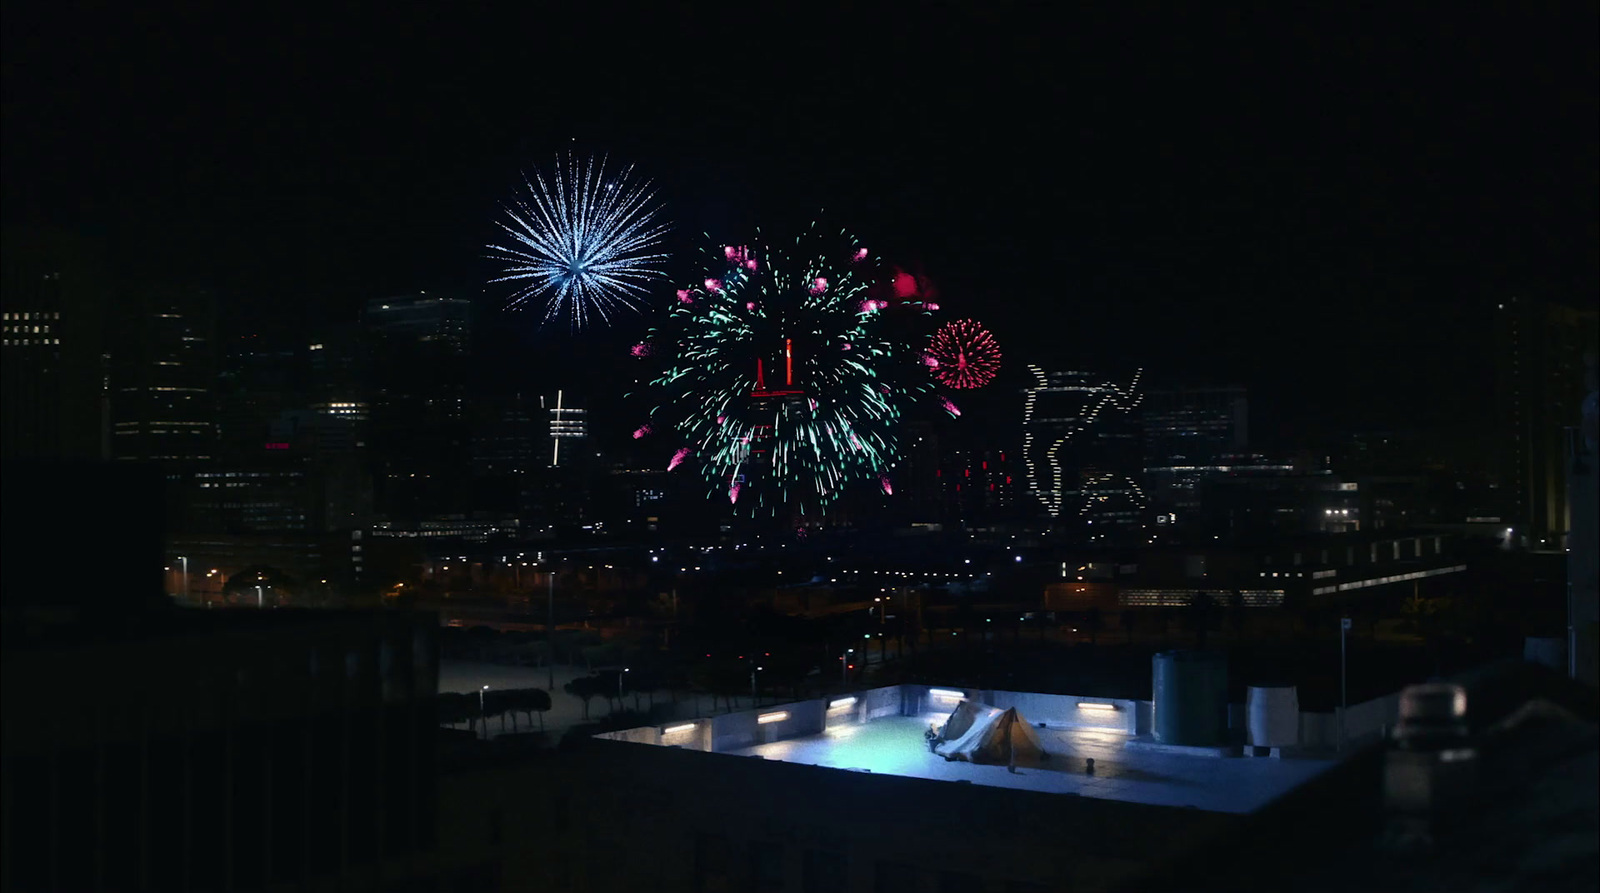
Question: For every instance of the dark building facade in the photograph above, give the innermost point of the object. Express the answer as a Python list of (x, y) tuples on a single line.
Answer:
[(241, 749), (1190, 436), (1539, 375), (52, 303), (163, 378), (419, 348)]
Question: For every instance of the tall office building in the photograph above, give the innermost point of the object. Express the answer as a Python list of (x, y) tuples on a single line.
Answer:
[(419, 349), (569, 426), (163, 378), (1080, 450), (1192, 435), (1539, 366), (52, 307), (437, 322), (1196, 424)]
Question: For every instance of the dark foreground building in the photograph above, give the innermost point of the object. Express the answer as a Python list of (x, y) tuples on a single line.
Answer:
[(147, 747)]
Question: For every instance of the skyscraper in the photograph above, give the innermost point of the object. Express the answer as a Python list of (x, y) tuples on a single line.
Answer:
[(1190, 436), (163, 376), (1539, 377), (567, 424), (54, 376), (420, 350), (1080, 450)]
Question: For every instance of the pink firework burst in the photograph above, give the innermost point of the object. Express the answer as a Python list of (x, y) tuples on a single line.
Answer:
[(714, 285), (950, 407), (819, 285), (641, 350), (964, 355), (684, 297), (888, 488), (641, 431), (861, 255), (678, 457)]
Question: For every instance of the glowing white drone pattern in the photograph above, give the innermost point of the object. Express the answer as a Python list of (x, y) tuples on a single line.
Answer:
[(1044, 438)]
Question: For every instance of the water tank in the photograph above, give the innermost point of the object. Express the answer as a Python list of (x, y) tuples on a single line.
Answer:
[(1191, 698), (1273, 715)]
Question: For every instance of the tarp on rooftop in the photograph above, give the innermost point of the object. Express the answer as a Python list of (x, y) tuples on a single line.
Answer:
[(978, 733)]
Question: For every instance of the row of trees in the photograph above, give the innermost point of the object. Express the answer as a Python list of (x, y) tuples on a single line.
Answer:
[(455, 708)]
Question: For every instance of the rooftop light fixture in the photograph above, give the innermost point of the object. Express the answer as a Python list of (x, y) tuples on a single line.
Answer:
[(672, 730), (1098, 708), (765, 718), (945, 693), (841, 703)]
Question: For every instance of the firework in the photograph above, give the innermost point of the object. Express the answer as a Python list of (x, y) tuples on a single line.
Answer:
[(780, 378), (582, 242), (963, 355)]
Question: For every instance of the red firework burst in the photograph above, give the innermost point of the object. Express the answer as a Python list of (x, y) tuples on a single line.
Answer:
[(964, 355)]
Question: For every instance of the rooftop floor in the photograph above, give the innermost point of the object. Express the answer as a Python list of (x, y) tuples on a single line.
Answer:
[(894, 746)]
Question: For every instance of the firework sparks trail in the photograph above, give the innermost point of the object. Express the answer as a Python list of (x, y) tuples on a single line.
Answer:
[(581, 242)]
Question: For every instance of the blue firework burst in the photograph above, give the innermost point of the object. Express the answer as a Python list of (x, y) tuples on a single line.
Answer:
[(581, 242)]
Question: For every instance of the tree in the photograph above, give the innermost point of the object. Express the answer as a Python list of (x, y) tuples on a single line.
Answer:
[(454, 708), (585, 688), (530, 701)]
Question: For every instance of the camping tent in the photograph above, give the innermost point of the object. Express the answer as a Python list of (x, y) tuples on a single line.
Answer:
[(981, 734)]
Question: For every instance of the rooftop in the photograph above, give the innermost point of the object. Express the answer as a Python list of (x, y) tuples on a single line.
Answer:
[(894, 745)]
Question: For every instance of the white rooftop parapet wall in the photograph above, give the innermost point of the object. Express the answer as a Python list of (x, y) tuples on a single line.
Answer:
[(748, 728), (798, 719), (1069, 711)]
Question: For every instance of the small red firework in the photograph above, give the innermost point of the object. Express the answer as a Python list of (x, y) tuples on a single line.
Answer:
[(964, 355)]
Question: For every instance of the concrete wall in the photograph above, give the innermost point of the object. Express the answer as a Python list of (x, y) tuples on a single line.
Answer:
[(879, 702), (610, 817), (732, 731), (1064, 712), (697, 738), (641, 735), (918, 701), (1372, 718), (1363, 723), (869, 705)]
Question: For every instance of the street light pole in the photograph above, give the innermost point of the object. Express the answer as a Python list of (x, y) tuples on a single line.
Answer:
[(550, 627), (1344, 699), (185, 560), (481, 715)]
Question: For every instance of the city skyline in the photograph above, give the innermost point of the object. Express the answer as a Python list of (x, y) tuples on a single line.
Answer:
[(1189, 210)]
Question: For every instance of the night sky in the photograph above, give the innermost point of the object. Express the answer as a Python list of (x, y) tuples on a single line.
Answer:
[(1320, 207)]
